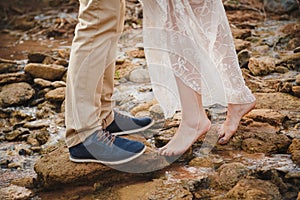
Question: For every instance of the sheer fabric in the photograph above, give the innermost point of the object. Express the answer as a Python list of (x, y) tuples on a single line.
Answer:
[(191, 39)]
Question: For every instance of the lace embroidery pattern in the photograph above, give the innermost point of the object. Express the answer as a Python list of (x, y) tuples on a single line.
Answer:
[(191, 39)]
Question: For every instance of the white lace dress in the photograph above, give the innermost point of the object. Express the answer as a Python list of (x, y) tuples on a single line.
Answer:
[(191, 39)]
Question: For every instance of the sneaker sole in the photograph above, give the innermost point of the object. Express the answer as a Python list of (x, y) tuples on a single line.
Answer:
[(78, 160), (134, 130)]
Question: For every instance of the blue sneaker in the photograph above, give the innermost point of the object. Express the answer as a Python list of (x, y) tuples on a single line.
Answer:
[(124, 124), (103, 147)]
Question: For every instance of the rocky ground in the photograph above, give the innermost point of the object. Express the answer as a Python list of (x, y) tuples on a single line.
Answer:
[(262, 161)]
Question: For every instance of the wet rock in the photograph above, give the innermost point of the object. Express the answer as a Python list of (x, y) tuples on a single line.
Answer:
[(16, 94), (24, 182), (61, 62), (254, 189), (38, 137), (285, 87), (8, 68), (37, 124), (58, 84), (13, 135), (57, 94), (241, 44), (244, 56), (292, 61), (263, 138), (261, 66), (143, 114), (14, 192), (142, 107), (210, 161), (171, 191), (63, 107), (241, 33), (42, 92), (49, 60), (64, 78), (262, 49), (120, 61), (136, 54), (139, 76), (32, 140), (281, 6), (36, 57), (271, 174), (24, 22), (142, 190), (3, 60), (267, 115), (45, 109), (277, 101), (293, 44), (291, 38), (281, 69), (230, 174), (296, 91), (13, 78), (298, 79), (294, 149), (296, 50), (163, 137), (15, 165), (55, 170), (156, 112), (50, 72), (293, 174), (42, 83), (256, 83)]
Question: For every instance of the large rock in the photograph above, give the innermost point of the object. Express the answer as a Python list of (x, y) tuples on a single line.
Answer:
[(261, 66), (50, 72), (15, 94), (55, 169), (249, 189)]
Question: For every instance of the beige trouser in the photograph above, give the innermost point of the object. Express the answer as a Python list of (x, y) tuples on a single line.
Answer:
[(91, 68)]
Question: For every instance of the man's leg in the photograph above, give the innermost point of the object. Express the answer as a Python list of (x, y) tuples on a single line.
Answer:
[(93, 51), (114, 122), (96, 36)]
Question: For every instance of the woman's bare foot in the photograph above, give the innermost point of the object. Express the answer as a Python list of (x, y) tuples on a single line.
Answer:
[(235, 113), (184, 138)]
